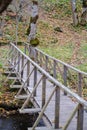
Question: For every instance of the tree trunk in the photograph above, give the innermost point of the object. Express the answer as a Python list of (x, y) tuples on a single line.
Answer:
[(74, 12), (4, 4), (31, 31), (84, 13)]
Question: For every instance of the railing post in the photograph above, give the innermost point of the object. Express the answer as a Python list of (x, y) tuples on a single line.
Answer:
[(12, 54), (28, 71), (43, 90), (15, 53), (57, 107), (46, 63), (35, 78), (22, 64), (35, 70), (54, 70), (18, 62), (25, 48), (79, 84), (65, 77), (41, 62), (80, 117)]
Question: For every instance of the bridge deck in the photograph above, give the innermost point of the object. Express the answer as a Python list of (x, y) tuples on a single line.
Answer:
[(66, 105)]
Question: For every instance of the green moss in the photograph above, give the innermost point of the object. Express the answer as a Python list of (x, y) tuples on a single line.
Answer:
[(34, 42)]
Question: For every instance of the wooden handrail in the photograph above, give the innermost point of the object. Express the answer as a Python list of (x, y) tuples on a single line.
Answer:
[(53, 80)]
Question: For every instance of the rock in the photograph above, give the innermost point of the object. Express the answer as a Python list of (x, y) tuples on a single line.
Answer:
[(58, 29)]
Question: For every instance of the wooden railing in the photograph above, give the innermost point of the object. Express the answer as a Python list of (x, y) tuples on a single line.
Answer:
[(21, 64), (71, 77)]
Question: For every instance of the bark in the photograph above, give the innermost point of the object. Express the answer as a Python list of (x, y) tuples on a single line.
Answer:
[(31, 32), (84, 13), (74, 12), (4, 4)]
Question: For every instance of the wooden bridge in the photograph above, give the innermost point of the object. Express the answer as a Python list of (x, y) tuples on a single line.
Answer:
[(53, 87)]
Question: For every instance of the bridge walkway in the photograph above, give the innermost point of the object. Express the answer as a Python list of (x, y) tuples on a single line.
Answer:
[(47, 94)]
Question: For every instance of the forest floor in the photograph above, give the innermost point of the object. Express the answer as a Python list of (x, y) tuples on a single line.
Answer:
[(57, 35)]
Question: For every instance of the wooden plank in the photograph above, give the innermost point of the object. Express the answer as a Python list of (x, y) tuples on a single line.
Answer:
[(30, 110), (15, 86), (7, 72), (43, 128), (14, 78), (21, 97)]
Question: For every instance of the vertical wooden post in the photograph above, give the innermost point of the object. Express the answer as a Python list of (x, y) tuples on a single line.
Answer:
[(35, 69), (15, 53), (57, 107), (46, 63), (54, 70), (25, 50), (65, 77), (28, 71), (22, 64), (18, 61), (80, 117), (80, 84), (41, 62), (12, 54), (35, 79), (43, 90)]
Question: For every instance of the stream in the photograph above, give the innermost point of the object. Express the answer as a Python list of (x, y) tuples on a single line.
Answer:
[(18, 122)]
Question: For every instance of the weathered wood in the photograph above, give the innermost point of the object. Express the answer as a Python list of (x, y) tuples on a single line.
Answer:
[(46, 63), (22, 64), (57, 107), (54, 69), (49, 90), (72, 94), (80, 84), (65, 77), (43, 109), (80, 117), (21, 97), (43, 90), (70, 118), (15, 86), (43, 128), (28, 71), (35, 78), (28, 99), (18, 62), (30, 110)]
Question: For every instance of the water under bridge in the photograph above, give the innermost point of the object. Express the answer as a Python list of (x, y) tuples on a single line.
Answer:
[(52, 86)]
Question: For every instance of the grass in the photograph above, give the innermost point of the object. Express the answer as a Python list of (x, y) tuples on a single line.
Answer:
[(63, 53)]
